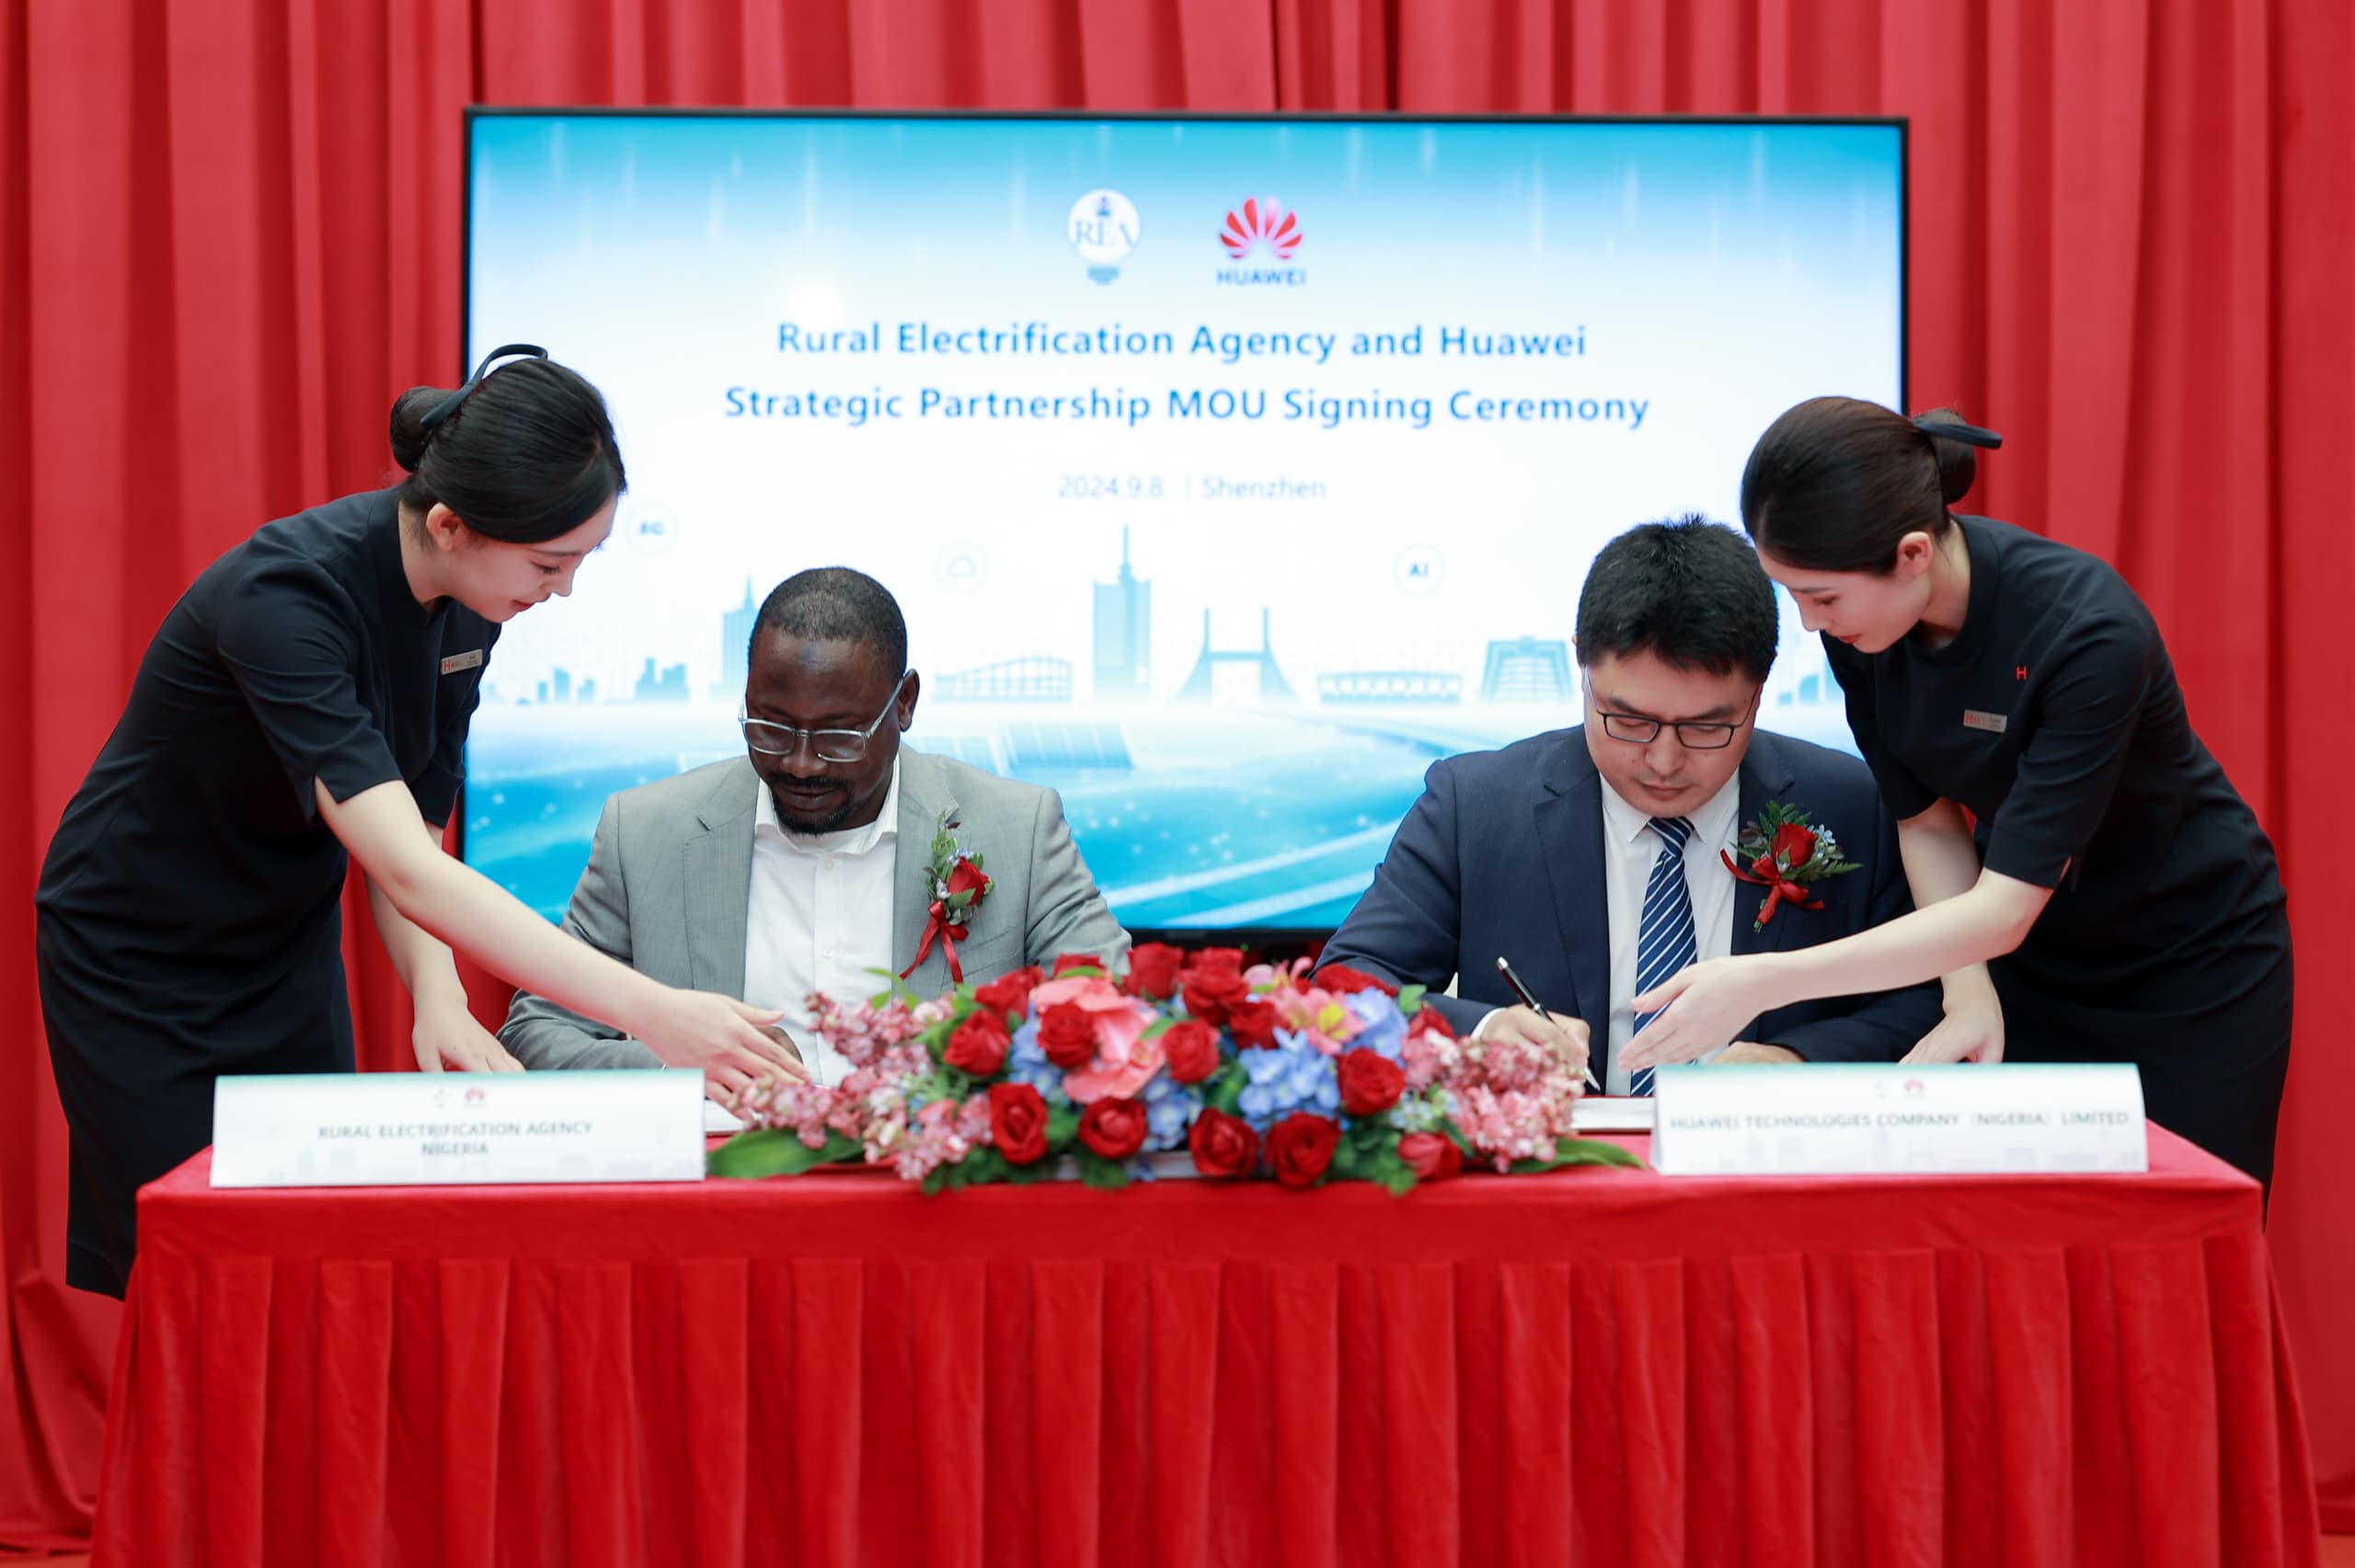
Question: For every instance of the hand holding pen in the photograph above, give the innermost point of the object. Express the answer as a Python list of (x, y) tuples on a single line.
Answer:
[(1531, 1002)]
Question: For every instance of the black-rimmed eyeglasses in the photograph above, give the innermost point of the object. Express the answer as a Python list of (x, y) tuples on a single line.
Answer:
[(1639, 730), (829, 745)]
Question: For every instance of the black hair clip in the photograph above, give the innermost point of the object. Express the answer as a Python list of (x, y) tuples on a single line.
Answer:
[(1969, 435), (442, 411)]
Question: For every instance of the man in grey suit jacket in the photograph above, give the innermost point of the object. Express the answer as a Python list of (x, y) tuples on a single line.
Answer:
[(805, 864)]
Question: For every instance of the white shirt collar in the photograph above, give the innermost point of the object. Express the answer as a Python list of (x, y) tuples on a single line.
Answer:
[(1712, 824), (884, 829)]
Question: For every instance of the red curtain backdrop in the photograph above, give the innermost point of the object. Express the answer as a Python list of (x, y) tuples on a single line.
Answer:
[(229, 232)]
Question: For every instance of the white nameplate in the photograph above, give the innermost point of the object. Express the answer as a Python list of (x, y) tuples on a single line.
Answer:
[(1843, 1119), (392, 1129)]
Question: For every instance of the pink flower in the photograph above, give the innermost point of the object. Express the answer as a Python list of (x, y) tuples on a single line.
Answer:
[(1091, 991), (870, 1106), (1124, 1059), (1304, 1009), (1512, 1100), (943, 1132)]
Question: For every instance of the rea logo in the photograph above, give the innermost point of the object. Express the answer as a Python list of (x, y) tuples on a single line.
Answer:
[(1261, 220)]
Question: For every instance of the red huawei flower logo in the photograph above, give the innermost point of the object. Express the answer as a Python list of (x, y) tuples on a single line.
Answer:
[(1261, 220)]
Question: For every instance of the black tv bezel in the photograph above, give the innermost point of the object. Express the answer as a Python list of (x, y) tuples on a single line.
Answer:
[(1254, 937)]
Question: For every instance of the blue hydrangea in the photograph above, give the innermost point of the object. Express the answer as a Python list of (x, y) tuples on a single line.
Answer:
[(1026, 1063), (1427, 1112), (1385, 1027), (1295, 1076), (1171, 1108)]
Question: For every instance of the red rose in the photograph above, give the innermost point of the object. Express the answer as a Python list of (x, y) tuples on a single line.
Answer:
[(1432, 1156), (1301, 1146), (1215, 960), (1209, 993), (966, 877), (1370, 1083), (1067, 1034), (1429, 1019), (1223, 1144), (1114, 1128), (1153, 970), (978, 1045), (1010, 993), (1342, 980), (1253, 1024), (1067, 962), (1794, 845), (1191, 1046), (1017, 1123)]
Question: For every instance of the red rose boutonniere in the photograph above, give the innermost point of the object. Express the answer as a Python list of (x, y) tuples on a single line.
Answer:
[(1784, 852), (959, 885)]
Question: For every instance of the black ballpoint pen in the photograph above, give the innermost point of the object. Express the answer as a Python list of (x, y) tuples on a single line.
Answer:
[(1538, 1007)]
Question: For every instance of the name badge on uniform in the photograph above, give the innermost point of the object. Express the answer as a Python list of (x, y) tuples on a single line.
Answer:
[(1972, 719), (472, 659)]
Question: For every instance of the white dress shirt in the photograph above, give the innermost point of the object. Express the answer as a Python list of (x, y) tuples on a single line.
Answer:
[(820, 918), (1629, 848)]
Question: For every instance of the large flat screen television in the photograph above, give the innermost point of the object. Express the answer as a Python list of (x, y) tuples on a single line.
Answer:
[(1228, 471)]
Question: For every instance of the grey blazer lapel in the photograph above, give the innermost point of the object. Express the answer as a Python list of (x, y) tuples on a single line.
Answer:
[(924, 796), (716, 862)]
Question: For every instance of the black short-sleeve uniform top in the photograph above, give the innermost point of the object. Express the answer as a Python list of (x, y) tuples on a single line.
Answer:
[(190, 919), (2055, 719)]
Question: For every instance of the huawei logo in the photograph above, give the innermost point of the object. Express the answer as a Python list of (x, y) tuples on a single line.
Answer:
[(1260, 221)]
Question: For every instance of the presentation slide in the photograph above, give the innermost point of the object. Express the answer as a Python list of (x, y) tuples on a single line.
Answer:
[(1229, 471)]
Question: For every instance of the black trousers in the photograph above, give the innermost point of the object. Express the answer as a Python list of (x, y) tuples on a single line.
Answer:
[(2213, 1077)]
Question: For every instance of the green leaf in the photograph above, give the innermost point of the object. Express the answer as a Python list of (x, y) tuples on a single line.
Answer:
[(1063, 1126), (1104, 1176), (1222, 1090), (1410, 999), (894, 990), (768, 1151), (1580, 1151)]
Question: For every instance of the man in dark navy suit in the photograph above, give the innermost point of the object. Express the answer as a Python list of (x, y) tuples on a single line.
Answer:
[(1590, 856)]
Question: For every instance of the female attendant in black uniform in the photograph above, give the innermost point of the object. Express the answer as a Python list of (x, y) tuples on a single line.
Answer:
[(2109, 896), (308, 699)]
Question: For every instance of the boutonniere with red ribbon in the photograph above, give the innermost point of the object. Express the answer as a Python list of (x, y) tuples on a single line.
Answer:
[(959, 885), (1785, 853)]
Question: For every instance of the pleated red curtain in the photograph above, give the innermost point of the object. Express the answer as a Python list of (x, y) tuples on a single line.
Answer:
[(229, 232)]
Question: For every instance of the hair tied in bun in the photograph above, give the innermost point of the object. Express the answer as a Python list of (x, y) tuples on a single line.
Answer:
[(450, 405)]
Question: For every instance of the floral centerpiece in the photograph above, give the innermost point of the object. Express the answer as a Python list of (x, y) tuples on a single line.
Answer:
[(1305, 1075)]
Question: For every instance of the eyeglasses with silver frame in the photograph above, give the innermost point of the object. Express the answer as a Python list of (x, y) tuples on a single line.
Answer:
[(829, 745)]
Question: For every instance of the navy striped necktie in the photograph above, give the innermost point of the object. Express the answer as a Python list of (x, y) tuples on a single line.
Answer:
[(1664, 940)]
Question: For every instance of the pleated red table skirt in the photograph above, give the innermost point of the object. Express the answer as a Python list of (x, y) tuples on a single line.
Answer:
[(1592, 1366)]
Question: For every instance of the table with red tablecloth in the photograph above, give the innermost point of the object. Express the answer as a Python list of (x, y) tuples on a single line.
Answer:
[(1594, 1365)]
